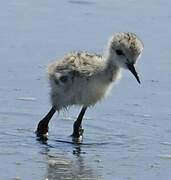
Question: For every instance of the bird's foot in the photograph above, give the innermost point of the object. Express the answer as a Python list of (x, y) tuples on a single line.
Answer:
[(42, 130), (77, 135)]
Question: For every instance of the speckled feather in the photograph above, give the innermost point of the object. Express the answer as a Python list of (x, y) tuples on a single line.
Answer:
[(81, 63)]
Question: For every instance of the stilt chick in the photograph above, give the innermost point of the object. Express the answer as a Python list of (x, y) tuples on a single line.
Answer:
[(82, 78)]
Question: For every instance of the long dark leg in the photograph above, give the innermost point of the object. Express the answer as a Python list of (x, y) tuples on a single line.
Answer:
[(77, 127), (42, 128)]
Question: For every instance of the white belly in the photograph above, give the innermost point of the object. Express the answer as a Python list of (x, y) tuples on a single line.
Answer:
[(80, 92)]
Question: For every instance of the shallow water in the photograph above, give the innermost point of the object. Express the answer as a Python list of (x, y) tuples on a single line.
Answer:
[(128, 136)]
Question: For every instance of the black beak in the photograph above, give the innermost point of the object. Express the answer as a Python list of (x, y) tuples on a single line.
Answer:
[(132, 69)]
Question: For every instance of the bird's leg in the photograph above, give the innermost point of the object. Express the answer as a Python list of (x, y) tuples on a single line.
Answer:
[(77, 127), (42, 128)]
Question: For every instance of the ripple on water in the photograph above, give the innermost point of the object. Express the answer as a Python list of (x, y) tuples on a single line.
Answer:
[(81, 2)]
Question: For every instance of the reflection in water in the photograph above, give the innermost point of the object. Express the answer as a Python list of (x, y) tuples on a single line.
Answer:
[(67, 166)]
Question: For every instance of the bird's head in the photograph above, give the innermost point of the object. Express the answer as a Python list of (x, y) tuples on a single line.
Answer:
[(124, 50)]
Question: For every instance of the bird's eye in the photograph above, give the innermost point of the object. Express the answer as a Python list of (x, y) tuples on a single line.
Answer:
[(119, 52), (64, 79)]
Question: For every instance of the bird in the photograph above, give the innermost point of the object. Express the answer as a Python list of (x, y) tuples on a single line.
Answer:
[(82, 78)]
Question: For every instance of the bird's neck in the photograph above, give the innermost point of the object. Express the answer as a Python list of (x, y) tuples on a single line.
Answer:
[(112, 68), (111, 62)]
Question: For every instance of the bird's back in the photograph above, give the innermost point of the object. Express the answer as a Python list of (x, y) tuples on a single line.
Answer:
[(81, 63)]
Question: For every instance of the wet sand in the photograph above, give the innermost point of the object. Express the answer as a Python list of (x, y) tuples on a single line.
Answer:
[(127, 136)]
